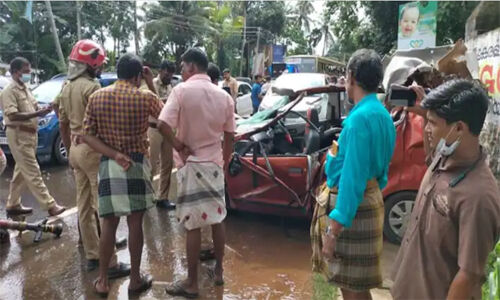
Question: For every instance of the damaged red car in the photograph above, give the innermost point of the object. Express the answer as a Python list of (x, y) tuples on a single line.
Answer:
[(276, 172)]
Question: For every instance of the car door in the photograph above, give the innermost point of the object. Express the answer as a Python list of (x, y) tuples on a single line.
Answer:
[(273, 184)]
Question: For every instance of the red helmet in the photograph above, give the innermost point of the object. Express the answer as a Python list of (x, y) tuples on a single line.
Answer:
[(88, 52)]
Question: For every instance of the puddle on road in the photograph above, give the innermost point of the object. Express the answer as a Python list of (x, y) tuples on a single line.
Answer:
[(261, 261)]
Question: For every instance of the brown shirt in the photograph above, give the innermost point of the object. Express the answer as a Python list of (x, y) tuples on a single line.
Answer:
[(73, 101), (118, 115), (18, 98), (232, 84), (451, 228)]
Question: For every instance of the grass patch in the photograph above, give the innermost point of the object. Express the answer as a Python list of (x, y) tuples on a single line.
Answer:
[(323, 290)]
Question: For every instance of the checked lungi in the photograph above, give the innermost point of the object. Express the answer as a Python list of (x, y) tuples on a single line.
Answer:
[(358, 250), (200, 195), (124, 192)]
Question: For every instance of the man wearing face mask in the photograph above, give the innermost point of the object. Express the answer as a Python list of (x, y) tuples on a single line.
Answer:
[(159, 149), (85, 63), (455, 222), (116, 124), (21, 114)]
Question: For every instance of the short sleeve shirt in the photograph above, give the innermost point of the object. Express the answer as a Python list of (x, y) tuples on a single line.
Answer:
[(200, 112), (452, 228), (118, 115), (73, 101), (232, 84), (18, 98), (256, 89), (162, 90)]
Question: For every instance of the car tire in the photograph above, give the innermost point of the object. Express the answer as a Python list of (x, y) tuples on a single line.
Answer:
[(59, 151), (398, 208)]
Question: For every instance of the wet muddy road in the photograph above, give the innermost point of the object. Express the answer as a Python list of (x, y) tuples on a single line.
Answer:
[(262, 260)]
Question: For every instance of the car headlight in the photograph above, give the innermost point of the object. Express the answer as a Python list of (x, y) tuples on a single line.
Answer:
[(44, 121)]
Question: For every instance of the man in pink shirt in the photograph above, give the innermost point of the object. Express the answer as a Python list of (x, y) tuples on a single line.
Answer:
[(202, 114)]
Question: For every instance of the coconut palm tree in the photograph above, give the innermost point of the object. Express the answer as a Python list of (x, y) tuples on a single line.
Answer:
[(302, 14), (175, 26), (327, 34)]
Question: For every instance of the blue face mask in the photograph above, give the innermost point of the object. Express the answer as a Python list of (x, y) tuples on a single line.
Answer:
[(26, 78), (446, 150)]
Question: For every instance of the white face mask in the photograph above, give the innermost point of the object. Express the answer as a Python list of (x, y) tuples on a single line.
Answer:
[(26, 78), (446, 150)]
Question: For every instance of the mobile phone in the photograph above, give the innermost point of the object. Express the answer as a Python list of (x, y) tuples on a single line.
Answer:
[(402, 96)]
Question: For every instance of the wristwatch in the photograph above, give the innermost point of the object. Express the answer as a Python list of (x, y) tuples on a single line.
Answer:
[(329, 232)]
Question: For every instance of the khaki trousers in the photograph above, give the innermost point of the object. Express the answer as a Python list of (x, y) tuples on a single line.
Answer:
[(85, 162), (160, 150), (23, 145)]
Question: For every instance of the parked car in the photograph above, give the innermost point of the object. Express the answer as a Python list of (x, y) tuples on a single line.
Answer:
[(244, 100), (292, 81), (50, 146), (4, 81), (244, 79)]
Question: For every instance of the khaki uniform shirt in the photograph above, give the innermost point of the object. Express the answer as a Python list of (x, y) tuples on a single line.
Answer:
[(73, 101), (57, 101), (452, 228), (162, 90), (18, 98), (233, 87)]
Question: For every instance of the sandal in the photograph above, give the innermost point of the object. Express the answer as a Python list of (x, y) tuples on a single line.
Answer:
[(207, 254), (211, 274), (176, 289), (146, 283), (101, 294), (120, 270)]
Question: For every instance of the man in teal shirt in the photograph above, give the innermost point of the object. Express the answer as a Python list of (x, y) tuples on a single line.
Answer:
[(353, 241)]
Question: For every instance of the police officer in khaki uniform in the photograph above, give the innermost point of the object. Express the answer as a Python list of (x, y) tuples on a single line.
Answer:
[(21, 114), (159, 148), (85, 62)]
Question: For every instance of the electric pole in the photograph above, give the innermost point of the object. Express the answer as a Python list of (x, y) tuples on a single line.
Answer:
[(78, 21), (136, 32), (258, 40), (54, 34), (244, 36)]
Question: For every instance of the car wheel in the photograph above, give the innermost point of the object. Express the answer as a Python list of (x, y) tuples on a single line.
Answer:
[(60, 153), (398, 208)]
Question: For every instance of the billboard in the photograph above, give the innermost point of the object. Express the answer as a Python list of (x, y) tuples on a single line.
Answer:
[(417, 25), (278, 53), (486, 67)]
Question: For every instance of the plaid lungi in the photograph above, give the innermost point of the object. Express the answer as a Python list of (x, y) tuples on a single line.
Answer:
[(124, 192), (358, 249), (201, 197)]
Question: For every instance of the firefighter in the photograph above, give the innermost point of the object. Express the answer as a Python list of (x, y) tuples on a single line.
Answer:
[(85, 64)]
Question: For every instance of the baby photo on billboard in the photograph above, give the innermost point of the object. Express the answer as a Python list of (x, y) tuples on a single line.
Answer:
[(417, 25)]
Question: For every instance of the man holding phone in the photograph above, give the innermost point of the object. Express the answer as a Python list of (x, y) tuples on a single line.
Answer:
[(455, 220), (21, 114)]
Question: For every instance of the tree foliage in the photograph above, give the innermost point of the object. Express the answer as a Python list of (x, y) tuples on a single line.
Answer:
[(171, 27), (100, 20), (379, 30)]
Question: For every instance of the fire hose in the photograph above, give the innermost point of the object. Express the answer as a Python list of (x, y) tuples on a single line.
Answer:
[(39, 228)]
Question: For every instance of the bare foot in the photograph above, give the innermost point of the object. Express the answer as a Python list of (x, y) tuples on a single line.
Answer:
[(101, 287)]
